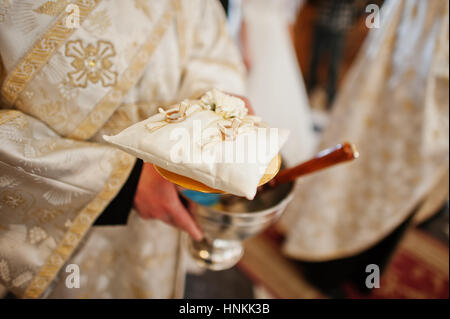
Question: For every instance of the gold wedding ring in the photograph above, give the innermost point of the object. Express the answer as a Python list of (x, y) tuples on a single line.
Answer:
[(175, 117)]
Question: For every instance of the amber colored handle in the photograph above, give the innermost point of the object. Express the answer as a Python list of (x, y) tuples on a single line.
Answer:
[(338, 154)]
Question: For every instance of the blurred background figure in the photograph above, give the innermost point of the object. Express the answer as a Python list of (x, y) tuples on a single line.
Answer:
[(333, 21), (394, 104), (275, 82)]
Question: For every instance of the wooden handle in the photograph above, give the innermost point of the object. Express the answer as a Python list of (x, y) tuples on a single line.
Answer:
[(338, 154)]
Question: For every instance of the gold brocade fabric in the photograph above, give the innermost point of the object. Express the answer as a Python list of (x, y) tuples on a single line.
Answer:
[(394, 105), (137, 261), (61, 89)]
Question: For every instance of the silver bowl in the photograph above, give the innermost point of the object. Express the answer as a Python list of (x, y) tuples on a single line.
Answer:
[(224, 231)]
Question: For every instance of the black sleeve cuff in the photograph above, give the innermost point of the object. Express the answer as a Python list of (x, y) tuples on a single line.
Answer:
[(116, 213)]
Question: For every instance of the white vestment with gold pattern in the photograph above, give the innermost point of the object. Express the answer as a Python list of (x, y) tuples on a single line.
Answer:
[(394, 105), (72, 71)]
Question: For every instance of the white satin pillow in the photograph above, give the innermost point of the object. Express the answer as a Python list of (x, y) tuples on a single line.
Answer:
[(211, 140)]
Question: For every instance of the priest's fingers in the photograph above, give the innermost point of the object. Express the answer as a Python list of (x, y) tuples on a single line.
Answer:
[(184, 220)]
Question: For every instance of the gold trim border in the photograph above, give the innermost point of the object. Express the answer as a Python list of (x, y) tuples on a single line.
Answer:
[(79, 227), (8, 115), (40, 53), (107, 106)]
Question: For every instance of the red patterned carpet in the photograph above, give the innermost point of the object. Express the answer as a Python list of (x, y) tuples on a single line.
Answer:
[(419, 269)]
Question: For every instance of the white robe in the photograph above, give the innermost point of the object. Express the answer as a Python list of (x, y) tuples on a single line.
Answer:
[(275, 83), (394, 106)]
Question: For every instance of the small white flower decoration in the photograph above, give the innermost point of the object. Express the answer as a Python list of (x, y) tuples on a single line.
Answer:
[(224, 104)]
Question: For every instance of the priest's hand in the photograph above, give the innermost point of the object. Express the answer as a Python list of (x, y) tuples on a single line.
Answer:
[(157, 198)]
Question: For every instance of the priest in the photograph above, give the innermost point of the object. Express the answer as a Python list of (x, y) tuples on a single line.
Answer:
[(72, 71)]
